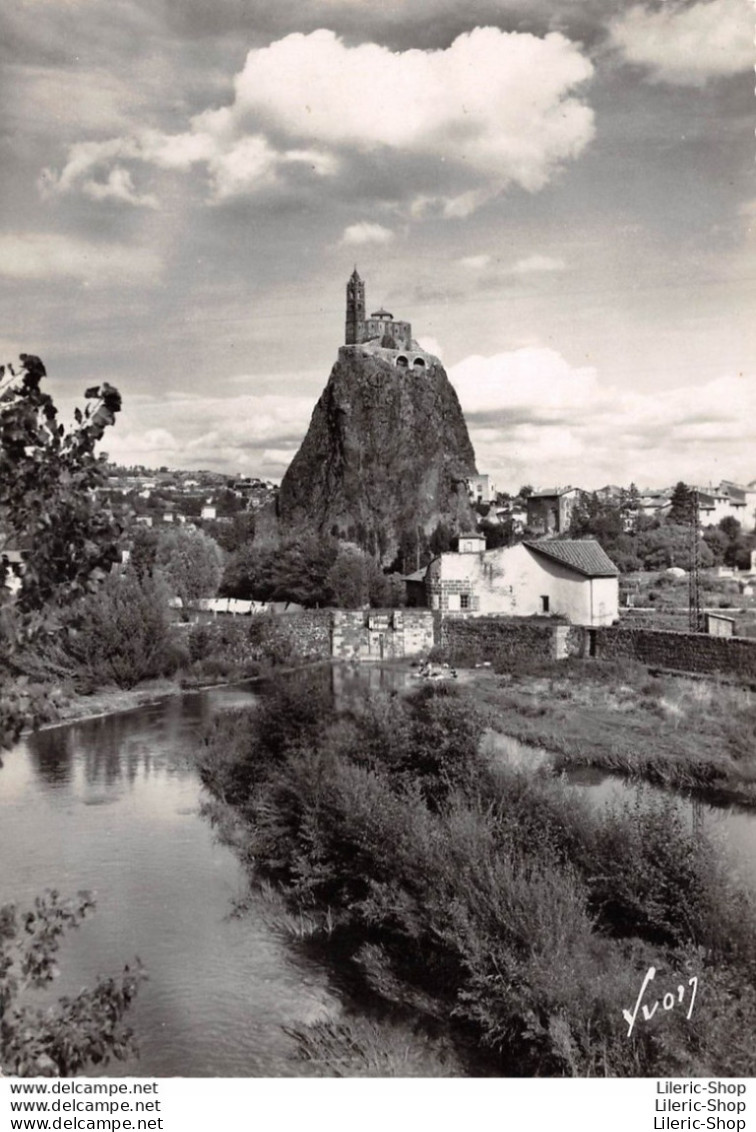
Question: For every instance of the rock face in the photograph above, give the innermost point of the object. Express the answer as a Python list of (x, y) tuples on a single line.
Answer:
[(385, 458)]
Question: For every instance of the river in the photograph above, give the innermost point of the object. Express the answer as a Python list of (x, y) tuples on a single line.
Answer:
[(112, 805)]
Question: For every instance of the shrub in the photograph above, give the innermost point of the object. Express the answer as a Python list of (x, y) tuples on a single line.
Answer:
[(75, 1032), (199, 641), (175, 655), (241, 748), (121, 633)]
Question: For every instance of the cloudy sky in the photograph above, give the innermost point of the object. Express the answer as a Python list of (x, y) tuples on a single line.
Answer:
[(557, 193)]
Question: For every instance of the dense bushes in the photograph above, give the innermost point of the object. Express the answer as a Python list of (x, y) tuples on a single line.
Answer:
[(312, 571), (485, 897), (121, 633)]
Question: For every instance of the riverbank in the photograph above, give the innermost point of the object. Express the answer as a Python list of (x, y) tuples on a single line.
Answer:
[(690, 734), (72, 707)]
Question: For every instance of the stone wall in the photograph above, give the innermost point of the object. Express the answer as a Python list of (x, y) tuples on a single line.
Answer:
[(381, 634), (501, 640), (686, 652), (305, 633), (280, 637), (318, 634), (391, 634)]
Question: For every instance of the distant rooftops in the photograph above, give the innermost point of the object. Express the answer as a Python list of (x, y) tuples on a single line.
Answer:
[(551, 492)]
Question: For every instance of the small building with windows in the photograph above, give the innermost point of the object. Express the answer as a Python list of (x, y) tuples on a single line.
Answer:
[(480, 489), (471, 544), (550, 510), (572, 578)]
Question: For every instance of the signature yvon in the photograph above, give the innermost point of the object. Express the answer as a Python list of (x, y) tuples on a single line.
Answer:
[(669, 1001)]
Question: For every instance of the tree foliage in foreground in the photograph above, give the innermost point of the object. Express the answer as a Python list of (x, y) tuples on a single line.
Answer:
[(48, 475), (73, 1033), (50, 512)]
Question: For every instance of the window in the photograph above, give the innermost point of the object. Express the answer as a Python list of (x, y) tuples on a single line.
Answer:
[(464, 601), (545, 603)]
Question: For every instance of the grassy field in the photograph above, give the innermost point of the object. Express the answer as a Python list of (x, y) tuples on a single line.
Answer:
[(689, 733)]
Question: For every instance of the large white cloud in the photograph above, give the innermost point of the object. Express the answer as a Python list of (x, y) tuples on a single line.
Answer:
[(42, 255), (450, 128), (535, 381), (251, 432), (534, 417), (688, 44)]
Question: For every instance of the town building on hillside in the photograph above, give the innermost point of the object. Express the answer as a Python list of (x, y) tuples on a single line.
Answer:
[(609, 493), (570, 578), (727, 501), (655, 504), (480, 489), (381, 335), (550, 510)]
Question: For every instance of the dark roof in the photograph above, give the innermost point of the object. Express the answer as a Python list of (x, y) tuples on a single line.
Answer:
[(585, 556), (418, 576)]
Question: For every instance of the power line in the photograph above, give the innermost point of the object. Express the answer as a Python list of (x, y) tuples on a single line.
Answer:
[(694, 572)]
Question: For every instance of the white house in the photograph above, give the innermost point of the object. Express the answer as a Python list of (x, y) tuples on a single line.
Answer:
[(729, 500), (570, 578), (480, 489)]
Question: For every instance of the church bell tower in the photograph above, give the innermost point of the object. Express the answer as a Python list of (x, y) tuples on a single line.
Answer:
[(355, 309)]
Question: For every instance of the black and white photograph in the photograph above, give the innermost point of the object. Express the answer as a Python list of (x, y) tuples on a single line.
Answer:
[(377, 550)]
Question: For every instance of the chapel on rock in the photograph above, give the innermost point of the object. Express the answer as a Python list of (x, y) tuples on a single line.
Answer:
[(381, 335)]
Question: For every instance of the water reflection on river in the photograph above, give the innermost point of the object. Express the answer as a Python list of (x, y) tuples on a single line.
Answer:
[(112, 805)]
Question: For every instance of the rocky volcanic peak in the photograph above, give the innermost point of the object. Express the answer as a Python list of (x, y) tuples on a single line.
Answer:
[(386, 455)]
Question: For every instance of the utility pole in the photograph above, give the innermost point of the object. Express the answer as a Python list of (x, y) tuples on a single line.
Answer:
[(694, 572)]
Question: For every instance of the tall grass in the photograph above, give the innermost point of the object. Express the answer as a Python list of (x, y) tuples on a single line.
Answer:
[(694, 734)]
